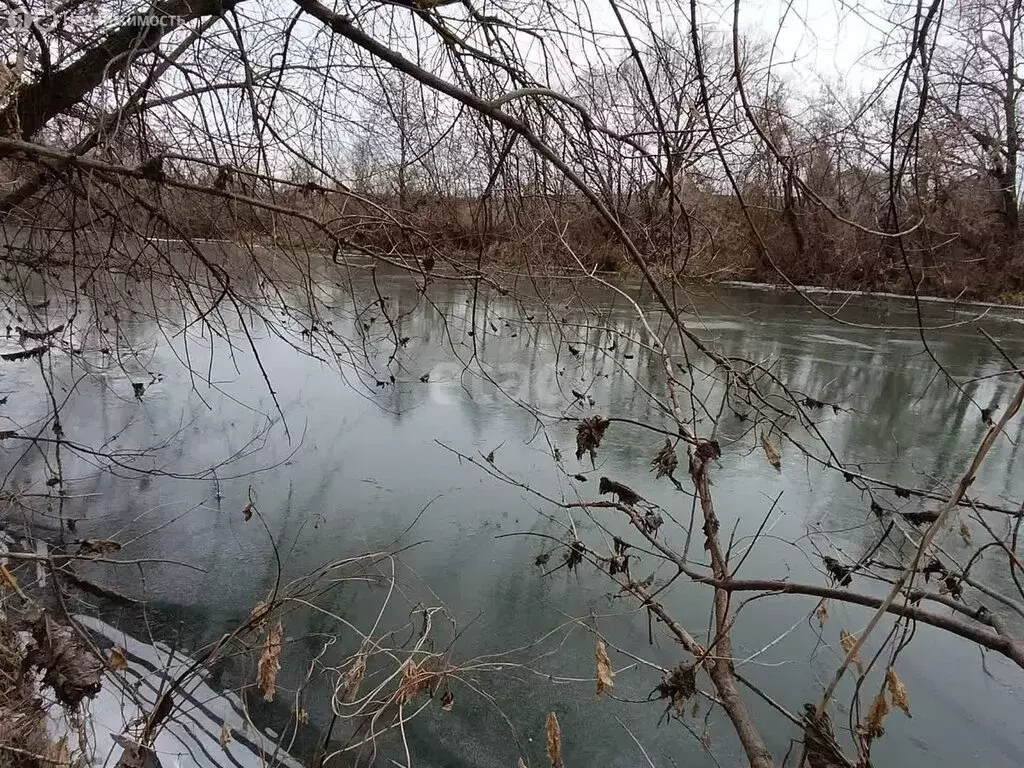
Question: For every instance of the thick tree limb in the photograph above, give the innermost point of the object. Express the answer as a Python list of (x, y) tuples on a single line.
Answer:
[(34, 104)]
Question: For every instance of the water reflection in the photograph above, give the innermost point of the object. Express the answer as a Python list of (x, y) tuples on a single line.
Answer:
[(364, 461)]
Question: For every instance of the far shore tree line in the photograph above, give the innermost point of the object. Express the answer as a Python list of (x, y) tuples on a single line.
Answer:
[(813, 165), (715, 160)]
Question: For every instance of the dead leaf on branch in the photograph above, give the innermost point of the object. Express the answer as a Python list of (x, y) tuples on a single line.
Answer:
[(353, 677), (897, 691), (247, 511), (575, 554), (822, 612), (873, 725), (270, 662), (7, 578), (98, 547), (965, 533), (604, 668), (838, 573), (59, 755), (589, 434), (448, 701), (623, 493), (924, 517), (849, 642), (678, 686), (68, 666), (820, 739), (415, 678), (117, 658), (665, 461), (708, 450), (259, 615), (554, 741), (771, 453), (951, 585)]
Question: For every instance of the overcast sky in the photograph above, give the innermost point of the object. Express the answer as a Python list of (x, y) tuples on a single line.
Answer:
[(827, 38), (834, 40)]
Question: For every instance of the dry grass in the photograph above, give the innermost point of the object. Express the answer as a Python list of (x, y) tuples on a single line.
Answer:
[(24, 742), (959, 249)]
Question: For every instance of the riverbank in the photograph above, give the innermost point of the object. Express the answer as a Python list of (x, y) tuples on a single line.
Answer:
[(1017, 302), (447, 251)]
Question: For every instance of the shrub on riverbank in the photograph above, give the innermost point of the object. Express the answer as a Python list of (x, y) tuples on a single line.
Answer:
[(953, 251)]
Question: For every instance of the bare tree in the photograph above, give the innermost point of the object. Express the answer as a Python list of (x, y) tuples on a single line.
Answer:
[(977, 84)]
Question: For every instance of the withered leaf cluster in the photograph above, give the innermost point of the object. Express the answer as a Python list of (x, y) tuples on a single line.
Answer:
[(619, 562), (823, 751), (707, 450), (624, 493), (665, 461), (98, 547), (771, 453), (353, 677), (678, 686), (604, 668), (270, 662), (575, 554), (69, 667), (589, 433), (839, 573), (920, 518), (651, 522), (554, 741)]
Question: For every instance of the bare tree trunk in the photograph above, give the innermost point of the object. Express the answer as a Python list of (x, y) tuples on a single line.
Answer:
[(33, 105), (1011, 205), (722, 672)]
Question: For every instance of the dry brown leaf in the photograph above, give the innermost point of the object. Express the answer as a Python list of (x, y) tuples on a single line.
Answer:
[(225, 735), (98, 547), (849, 641), (678, 686), (7, 578), (822, 612), (665, 461), (410, 684), (771, 453), (965, 533), (59, 754), (118, 660), (415, 678), (353, 677), (589, 434), (259, 615), (897, 691), (879, 709), (604, 668), (270, 662), (554, 741), (69, 667), (247, 511)]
